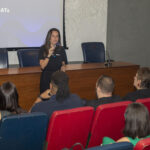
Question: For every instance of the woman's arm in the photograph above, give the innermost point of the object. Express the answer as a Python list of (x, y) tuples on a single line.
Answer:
[(44, 62), (45, 95), (63, 68), (64, 58)]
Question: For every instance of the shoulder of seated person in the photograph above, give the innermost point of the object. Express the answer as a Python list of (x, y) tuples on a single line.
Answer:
[(123, 139), (90, 102), (129, 95), (117, 97), (73, 95)]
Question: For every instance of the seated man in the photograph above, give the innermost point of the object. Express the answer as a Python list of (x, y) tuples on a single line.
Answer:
[(142, 84), (104, 88), (59, 96)]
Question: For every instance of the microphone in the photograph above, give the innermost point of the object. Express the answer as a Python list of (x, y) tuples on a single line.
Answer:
[(57, 44), (56, 47), (108, 62)]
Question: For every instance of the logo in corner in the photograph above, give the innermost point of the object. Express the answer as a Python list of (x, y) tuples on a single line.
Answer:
[(4, 10)]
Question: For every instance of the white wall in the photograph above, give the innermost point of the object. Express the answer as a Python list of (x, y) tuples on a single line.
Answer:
[(86, 20)]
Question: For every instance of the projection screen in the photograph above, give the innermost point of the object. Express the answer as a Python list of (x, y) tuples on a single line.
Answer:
[(24, 23)]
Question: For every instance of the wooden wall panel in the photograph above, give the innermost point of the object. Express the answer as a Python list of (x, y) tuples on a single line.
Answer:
[(83, 78)]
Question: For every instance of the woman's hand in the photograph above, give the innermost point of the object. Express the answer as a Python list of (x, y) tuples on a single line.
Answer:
[(63, 67), (51, 50), (44, 62)]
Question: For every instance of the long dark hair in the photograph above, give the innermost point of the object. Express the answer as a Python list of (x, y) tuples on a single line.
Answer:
[(60, 79), (137, 121), (9, 98), (47, 43)]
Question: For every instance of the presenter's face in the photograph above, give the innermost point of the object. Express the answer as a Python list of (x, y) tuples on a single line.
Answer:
[(54, 38)]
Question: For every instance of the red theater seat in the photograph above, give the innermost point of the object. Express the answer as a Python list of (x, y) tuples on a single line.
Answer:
[(68, 127), (108, 121), (145, 101), (143, 144)]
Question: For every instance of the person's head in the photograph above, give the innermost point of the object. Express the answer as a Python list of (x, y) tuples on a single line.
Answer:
[(104, 86), (142, 78), (59, 85), (53, 37), (137, 121), (8, 97)]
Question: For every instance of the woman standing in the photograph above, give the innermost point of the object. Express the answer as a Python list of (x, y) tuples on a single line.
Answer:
[(52, 58)]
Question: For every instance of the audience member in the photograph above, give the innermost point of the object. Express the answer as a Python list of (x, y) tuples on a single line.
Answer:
[(9, 100), (59, 96), (142, 84), (104, 89), (137, 124)]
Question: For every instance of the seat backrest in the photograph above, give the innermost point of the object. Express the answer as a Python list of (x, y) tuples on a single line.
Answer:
[(108, 121), (67, 127), (145, 101), (3, 58), (28, 57), (114, 146), (93, 52), (23, 132), (143, 144)]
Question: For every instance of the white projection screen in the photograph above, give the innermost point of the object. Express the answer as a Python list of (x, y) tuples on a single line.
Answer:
[(24, 23)]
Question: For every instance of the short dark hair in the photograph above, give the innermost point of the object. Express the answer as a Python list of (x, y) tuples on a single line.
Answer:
[(145, 84), (106, 84), (61, 79), (137, 121), (9, 97), (143, 74)]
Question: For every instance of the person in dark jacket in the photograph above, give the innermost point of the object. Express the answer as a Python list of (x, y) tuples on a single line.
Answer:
[(59, 96), (142, 85), (104, 89)]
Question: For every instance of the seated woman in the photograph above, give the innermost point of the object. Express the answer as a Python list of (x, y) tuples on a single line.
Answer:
[(9, 100), (137, 124)]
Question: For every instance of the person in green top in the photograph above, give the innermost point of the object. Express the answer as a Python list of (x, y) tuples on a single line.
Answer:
[(137, 125)]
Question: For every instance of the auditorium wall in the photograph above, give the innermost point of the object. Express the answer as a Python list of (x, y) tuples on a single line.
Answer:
[(128, 31), (86, 20)]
